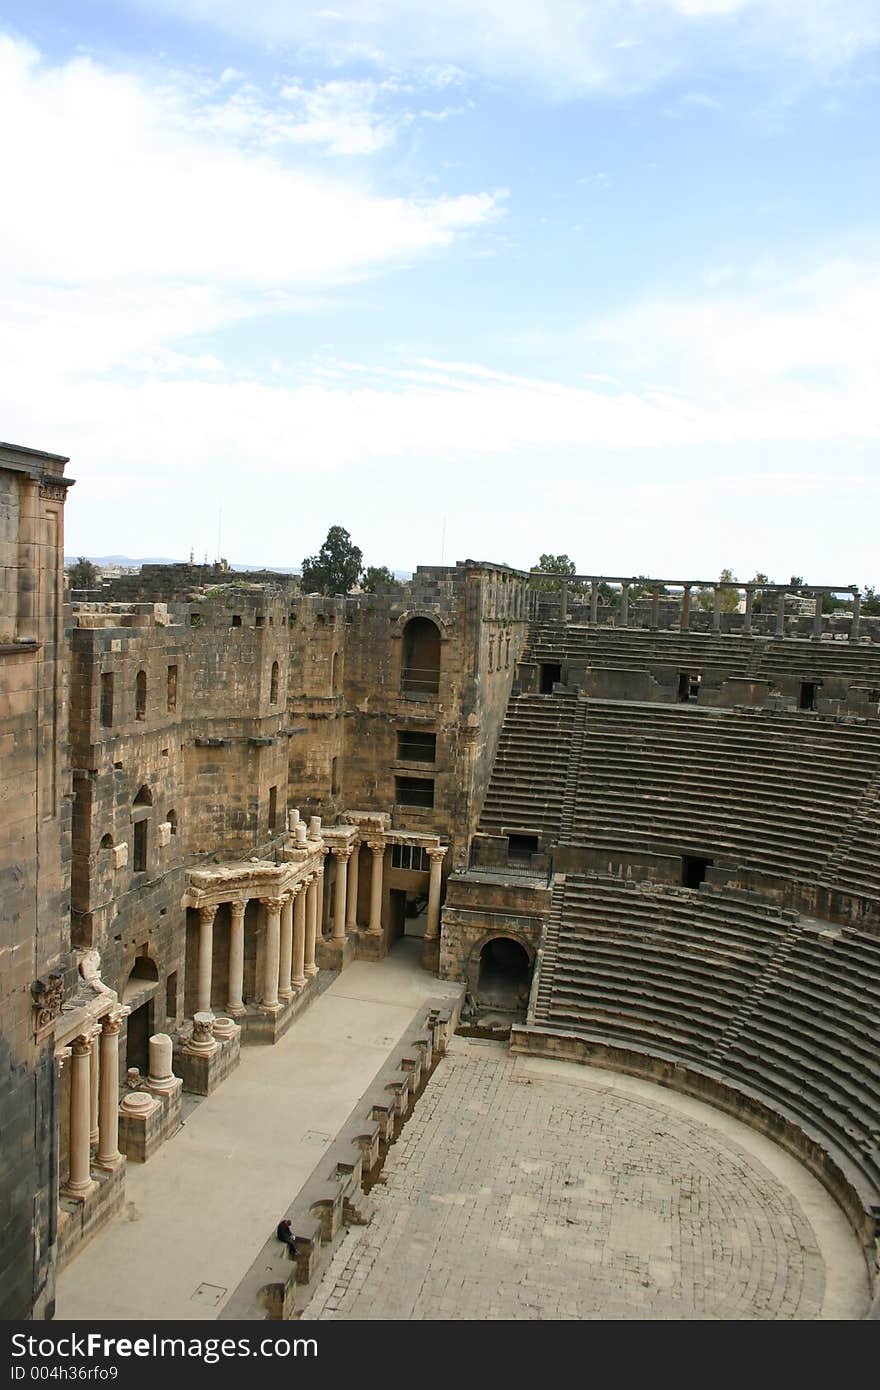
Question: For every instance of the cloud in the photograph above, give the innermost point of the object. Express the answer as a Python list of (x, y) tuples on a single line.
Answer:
[(137, 219), (565, 46)]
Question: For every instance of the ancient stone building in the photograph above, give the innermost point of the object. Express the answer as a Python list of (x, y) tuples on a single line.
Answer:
[(628, 820), (34, 866)]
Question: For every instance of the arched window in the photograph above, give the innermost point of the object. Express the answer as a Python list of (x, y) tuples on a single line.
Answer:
[(140, 698), (144, 797), (334, 673), (106, 842), (273, 685), (140, 828), (171, 818), (420, 674)]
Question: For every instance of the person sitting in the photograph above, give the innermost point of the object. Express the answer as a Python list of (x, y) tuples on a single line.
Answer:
[(285, 1234)]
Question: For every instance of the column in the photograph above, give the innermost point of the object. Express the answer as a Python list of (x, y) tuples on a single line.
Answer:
[(206, 953), (432, 930), (93, 1088), (716, 609), (655, 608), (311, 925), (377, 849), (685, 616), (272, 953), (563, 600), (624, 605), (285, 966), (299, 934), (79, 1180), (780, 615), (854, 626), (319, 883), (342, 856), (594, 600), (747, 617), (108, 1118), (817, 620), (352, 890), (237, 909)]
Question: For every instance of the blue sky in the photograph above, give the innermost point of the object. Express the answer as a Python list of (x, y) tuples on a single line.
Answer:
[(471, 279)]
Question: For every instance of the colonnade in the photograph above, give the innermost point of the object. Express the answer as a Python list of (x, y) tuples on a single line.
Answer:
[(93, 1059)]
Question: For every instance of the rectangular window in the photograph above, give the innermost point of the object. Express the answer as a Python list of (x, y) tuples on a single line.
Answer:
[(171, 995), (521, 848), (107, 699), (414, 791), (140, 846), (413, 746), (172, 688), (273, 806), (409, 857)]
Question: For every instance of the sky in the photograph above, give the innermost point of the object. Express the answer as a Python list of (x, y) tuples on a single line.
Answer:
[(471, 278)]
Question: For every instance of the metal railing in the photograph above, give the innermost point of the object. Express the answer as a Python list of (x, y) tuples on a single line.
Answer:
[(419, 680)]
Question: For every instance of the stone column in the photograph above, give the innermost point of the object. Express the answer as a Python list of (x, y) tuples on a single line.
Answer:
[(563, 600), (780, 616), (594, 600), (716, 609), (319, 876), (237, 909), (161, 1076), (300, 892), (272, 956), (624, 605), (108, 1119), (79, 1180), (206, 952), (854, 626), (310, 967), (655, 608), (342, 856), (93, 1087), (352, 889), (817, 620), (432, 930), (685, 616), (747, 616), (286, 957), (377, 849)]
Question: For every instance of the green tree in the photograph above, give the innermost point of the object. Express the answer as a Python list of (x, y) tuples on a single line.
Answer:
[(336, 568), (556, 564), (378, 577), (83, 575), (758, 596), (870, 601)]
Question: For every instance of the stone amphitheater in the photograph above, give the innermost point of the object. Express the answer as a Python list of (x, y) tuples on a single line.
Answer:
[(516, 939)]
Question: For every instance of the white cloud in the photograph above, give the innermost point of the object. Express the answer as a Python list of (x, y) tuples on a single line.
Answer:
[(134, 223), (566, 46)]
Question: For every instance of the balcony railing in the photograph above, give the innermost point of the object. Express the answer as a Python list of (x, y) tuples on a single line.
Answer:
[(418, 680)]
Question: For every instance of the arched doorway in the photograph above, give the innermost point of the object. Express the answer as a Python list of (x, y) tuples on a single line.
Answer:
[(420, 666), (505, 975)]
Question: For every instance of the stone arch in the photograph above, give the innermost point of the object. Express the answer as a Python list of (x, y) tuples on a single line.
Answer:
[(273, 684), (514, 982), (420, 656), (143, 796)]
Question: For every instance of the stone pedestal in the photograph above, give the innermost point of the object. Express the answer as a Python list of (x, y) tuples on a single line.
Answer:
[(141, 1125), (205, 1059), (331, 953)]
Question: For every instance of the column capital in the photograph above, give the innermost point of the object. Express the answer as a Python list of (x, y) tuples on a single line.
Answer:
[(111, 1024), (81, 1046), (436, 853), (377, 847), (319, 872), (342, 852), (274, 903), (207, 912)]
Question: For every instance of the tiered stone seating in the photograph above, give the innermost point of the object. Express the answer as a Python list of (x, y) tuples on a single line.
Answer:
[(652, 968), (771, 791), (528, 775), (639, 649), (805, 660), (740, 993)]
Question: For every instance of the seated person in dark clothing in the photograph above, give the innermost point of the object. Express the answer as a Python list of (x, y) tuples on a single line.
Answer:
[(285, 1233)]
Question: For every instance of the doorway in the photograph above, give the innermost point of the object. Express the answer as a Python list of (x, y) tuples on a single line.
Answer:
[(693, 870), (550, 673), (505, 976), (137, 1045)]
